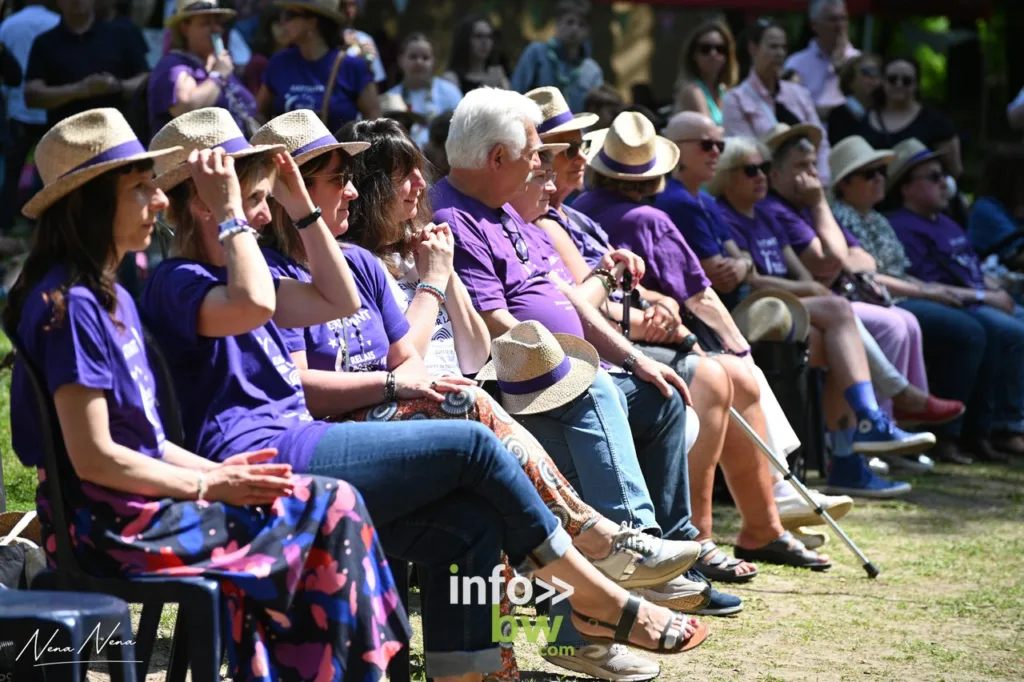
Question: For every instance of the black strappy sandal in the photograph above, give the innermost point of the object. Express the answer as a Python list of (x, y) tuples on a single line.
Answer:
[(721, 567), (786, 551), (671, 641)]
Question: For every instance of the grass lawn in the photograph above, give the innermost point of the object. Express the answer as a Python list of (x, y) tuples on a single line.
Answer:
[(949, 604)]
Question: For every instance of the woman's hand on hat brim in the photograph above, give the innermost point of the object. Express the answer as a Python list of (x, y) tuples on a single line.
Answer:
[(213, 173), (289, 188)]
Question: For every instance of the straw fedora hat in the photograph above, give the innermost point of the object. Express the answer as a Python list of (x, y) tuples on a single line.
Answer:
[(186, 9), (200, 129), (557, 116), (538, 371), (908, 154), (781, 132), (772, 315), (323, 8), (393, 105), (631, 149), (853, 153), (304, 135), (80, 148)]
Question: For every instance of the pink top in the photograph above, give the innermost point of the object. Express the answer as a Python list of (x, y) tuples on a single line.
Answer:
[(749, 111), (818, 74)]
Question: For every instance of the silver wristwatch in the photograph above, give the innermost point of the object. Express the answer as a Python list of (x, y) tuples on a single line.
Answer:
[(628, 363)]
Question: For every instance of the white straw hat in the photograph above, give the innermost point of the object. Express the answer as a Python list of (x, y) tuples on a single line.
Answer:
[(538, 371), (200, 129), (558, 118), (631, 149), (909, 153), (304, 135), (324, 8), (781, 132), (853, 153), (185, 9), (80, 148), (772, 315)]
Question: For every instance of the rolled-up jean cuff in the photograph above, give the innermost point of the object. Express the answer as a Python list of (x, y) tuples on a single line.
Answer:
[(457, 663), (556, 546)]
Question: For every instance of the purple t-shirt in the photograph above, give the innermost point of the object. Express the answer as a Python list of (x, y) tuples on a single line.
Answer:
[(282, 267), (938, 249), (300, 84), (797, 223), (673, 268), (86, 348), (696, 217), (759, 236), (589, 237), (494, 275), (161, 91), (237, 393)]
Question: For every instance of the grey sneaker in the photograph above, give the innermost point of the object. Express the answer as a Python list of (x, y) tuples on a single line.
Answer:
[(638, 559), (679, 594), (605, 662)]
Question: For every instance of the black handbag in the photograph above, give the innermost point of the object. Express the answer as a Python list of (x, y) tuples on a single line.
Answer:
[(863, 287)]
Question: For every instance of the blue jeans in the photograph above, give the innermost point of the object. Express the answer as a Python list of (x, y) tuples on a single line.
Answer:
[(955, 347), (443, 493), (589, 440), (1004, 363)]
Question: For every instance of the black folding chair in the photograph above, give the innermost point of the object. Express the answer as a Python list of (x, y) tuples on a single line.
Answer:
[(198, 632)]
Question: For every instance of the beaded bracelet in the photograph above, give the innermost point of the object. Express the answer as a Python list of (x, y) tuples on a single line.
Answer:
[(605, 277), (233, 226), (433, 291)]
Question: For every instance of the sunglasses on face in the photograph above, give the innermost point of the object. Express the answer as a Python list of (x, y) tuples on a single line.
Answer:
[(752, 169), (483, 36), (339, 179), (895, 79), (708, 48), (573, 151), (707, 145), (870, 71), (935, 177), (871, 173)]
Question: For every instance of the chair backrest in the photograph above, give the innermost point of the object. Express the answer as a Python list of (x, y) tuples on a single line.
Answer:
[(52, 441), (167, 400)]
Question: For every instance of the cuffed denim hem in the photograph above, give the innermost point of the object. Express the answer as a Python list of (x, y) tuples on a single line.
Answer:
[(455, 663), (556, 546)]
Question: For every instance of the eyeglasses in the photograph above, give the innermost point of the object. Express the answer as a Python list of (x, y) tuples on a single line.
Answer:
[(339, 179), (870, 71), (707, 48), (483, 36), (870, 174), (935, 177), (707, 145), (511, 231), (896, 79), (752, 169), (542, 177)]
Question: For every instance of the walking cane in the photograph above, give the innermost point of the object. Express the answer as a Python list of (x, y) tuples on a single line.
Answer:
[(872, 570)]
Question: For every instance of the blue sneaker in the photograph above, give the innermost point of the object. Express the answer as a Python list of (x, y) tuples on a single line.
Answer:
[(877, 435), (852, 476), (719, 603)]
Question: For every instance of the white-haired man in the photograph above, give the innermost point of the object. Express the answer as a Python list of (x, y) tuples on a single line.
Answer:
[(505, 264), (820, 62)]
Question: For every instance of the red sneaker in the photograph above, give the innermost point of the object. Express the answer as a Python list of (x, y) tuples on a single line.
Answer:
[(936, 411)]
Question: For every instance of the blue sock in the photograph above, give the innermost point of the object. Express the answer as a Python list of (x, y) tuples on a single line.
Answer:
[(861, 397), (842, 442)]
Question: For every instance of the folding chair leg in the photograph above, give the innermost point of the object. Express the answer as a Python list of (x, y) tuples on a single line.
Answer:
[(177, 666)]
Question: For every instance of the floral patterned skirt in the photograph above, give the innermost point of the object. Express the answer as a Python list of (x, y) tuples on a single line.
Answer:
[(475, 404), (307, 593)]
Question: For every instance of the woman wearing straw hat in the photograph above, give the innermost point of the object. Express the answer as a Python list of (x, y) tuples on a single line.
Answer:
[(316, 72), (940, 255), (193, 75), (741, 183), (955, 343), (630, 161), (216, 314), (146, 497)]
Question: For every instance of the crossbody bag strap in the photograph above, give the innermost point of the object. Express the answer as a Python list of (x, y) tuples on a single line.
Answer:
[(331, 82)]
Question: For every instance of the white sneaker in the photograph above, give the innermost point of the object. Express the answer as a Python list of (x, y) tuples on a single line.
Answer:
[(878, 465), (812, 539), (638, 559), (795, 512), (678, 594), (918, 464), (605, 662)]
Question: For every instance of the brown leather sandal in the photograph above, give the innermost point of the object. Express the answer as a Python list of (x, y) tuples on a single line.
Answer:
[(671, 641)]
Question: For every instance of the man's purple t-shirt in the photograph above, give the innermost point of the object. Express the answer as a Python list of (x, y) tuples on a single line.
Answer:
[(759, 236), (88, 349), (696, 217), (162, 94), (938, 249), (300, 84), (673, 268), (487, 262), (797, 224), (237, 393)]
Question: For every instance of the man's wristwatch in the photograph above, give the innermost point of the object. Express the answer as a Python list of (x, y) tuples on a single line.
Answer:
[(979, 295), (629, 362)]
